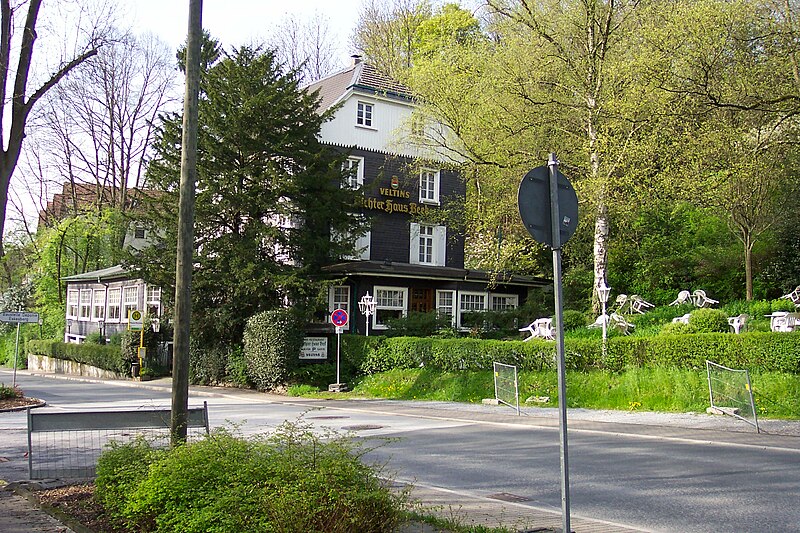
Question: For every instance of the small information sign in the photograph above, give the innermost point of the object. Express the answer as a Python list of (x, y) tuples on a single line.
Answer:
[(314, 348), (19, 317), (135, 320)]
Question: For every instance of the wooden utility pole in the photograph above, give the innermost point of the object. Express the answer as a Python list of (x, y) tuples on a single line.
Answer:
[(183, 266)]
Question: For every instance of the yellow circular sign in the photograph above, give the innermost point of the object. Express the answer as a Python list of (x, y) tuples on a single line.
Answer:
[(136, 315)]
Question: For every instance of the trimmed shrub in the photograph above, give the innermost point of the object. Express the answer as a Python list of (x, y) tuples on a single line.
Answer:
[(709, 321), (106, 357), (416, 324), (756, 351), (678, 328), (272, 342)]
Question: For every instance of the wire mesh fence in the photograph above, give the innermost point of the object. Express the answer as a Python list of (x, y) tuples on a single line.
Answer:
[(66, 445), (506, 386), (731, 392)]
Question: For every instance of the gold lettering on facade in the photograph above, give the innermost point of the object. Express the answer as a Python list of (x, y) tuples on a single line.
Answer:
[(397, 193), (389, 206)]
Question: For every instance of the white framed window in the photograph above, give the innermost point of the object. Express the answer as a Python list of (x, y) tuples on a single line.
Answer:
[(429, 186), (361, 249), (364, 112), (339, 298), (354, 168), (99, 305), (390, 302), (428, 244), (444, 305), (72, 304), (469, 302), (130, 301), (85, 309), (153, 301), (504, 302), (114, 300)]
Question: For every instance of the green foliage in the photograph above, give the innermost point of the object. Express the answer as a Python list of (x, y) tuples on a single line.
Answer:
[(294, 480), (95, 338), (272, 342), (207, 363), (573, 320), (9, 392), (416, 324), (709, 321), (678, 328), (107, 357), (120, 469)]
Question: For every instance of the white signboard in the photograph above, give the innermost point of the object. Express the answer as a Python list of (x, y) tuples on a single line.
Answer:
[(314, 348), (19, 317), (135, 320)]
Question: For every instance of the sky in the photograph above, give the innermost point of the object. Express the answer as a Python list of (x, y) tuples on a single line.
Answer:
[(232, 22), (237, 22)]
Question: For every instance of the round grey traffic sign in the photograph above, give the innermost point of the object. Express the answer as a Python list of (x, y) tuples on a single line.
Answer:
[(534, 205)]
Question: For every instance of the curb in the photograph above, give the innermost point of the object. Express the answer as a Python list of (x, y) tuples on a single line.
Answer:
[(39, 403)]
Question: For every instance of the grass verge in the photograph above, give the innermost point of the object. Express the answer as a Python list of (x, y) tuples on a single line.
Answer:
[(777, 394)]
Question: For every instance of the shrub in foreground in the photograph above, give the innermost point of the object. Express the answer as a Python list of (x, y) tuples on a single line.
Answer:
[(291, 481)]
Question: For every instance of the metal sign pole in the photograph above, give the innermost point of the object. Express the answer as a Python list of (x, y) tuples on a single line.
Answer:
[(16, 355), (338, 351), (555, 224)]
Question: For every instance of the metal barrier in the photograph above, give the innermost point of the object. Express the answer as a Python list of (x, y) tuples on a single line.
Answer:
[(68, 444)]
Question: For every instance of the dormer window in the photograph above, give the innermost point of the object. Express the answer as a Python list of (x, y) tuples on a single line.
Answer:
[(364, 114), (429, 186)]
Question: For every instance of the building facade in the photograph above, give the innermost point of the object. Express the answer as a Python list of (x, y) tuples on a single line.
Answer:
[(412, 256), (100, 302)]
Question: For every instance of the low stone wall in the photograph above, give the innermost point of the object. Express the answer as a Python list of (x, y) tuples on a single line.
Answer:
[(62, 366)]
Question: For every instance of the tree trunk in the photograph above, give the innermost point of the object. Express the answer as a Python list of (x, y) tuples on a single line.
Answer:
[(748, 265)]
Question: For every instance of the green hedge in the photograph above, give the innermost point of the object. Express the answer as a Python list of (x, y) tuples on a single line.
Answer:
[(755, 351), (272, 342), (105, 357)]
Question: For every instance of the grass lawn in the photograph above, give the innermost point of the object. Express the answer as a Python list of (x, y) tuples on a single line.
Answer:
[(777, 395)]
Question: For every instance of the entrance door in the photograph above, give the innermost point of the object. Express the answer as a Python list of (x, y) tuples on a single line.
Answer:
[(422, 300)]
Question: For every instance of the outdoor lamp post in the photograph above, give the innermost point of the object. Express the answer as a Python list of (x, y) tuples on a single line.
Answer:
[(603, 292), (367, 306)]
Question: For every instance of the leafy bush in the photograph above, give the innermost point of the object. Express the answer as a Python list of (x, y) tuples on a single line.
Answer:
[(416, 324), (107, 357), (120, 469), (294, 480), (207, 364), (678, 328), (574, 320), (236, 367), (95, 338), (9, 392), (272, 342), (709, 321)]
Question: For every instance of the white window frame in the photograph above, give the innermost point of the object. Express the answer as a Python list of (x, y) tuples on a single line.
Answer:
[(340, 301), (99, 305), (443, 308), (508, 298), (439, 244), (429, 180), (152, 299), (365, 114), (114, 304), (73, 300), (85, 305), (403, 307), (462, 310), (129, 304), (354, 181)]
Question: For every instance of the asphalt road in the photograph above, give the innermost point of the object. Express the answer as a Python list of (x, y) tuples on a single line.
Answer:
[(652, 477)]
